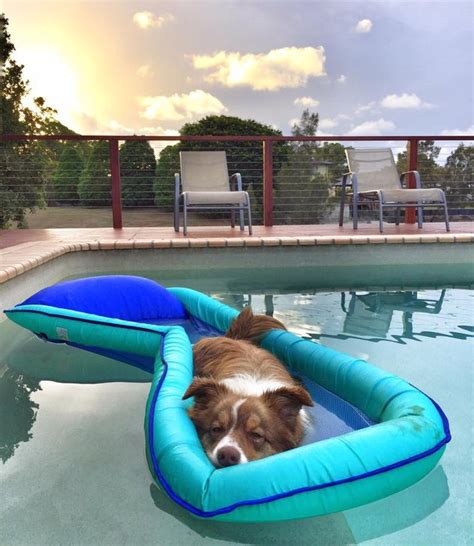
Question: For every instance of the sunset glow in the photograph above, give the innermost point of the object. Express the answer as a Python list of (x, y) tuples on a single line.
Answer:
[(52, 77), (110, 64)]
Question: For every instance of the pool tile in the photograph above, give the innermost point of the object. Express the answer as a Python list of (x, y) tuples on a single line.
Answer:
[(463, 238), (253, 241), (324, 240), (359, 240), (106, 245), (394, 239), (410, 239), (199, 243), (180, 243), (161, 243), (237, 242), (271, 241), (10, 271), (217, 242), (142, 243), (288, 241)]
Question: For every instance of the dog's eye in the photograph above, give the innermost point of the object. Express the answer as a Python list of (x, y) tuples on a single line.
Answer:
[(217, 430), (256, 437)]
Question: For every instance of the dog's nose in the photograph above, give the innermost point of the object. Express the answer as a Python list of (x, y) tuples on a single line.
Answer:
[(228, 456)]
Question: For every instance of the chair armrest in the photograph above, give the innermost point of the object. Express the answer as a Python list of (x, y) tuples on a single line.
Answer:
[(417, 178), (351, 182), (236, 178)]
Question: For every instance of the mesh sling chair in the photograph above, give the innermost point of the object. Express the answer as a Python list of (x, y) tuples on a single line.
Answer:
[(206, 185), (374, 179)]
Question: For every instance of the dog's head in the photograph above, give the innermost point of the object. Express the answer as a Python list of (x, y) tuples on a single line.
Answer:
[(235, 429)]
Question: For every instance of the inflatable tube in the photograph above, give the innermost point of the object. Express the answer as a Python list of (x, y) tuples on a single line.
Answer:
[(392, 434)]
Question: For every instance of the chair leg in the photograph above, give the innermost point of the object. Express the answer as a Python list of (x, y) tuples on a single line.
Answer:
[(380, 216), (176, 216), (397, 216), (446, 217), (419, 215), (185, 217), (341, 208), (241, 219), (355, 211), (232, 219), (249, 217)]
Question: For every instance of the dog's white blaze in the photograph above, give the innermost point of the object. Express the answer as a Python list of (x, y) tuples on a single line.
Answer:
[(250, 385), (228, 439)]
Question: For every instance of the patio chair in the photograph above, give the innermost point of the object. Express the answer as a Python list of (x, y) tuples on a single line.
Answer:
[(374, 180), (204, 184)]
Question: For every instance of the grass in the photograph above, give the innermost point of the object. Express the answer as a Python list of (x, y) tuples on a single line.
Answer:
[(81, 217)]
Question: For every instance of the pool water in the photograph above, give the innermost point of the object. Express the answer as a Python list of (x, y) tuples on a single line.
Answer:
[(73, 468)]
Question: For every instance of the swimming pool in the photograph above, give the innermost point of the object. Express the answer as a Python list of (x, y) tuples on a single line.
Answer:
[(71, 424)]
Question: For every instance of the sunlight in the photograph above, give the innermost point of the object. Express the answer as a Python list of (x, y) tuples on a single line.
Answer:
[(52, 77)]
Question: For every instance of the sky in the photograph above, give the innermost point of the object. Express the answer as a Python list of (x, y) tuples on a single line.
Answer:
[(368, 68)]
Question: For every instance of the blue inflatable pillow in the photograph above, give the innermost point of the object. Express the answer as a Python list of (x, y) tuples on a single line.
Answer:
[(113, 296)]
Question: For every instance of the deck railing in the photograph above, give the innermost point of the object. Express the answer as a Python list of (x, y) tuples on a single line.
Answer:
[(266, 166)]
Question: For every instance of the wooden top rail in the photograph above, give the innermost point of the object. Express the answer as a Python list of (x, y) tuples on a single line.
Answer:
[(239, 138)]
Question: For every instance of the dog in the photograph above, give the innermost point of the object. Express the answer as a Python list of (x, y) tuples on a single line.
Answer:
[(246, 405)]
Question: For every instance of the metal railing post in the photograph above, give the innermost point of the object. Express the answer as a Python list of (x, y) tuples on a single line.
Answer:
[(412, 164), (115, 179), (268, 182)]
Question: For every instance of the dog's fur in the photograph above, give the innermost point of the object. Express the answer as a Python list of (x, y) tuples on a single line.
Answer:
[(246, 405)]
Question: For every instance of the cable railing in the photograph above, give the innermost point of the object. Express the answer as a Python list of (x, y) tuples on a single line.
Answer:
[(123, 180)]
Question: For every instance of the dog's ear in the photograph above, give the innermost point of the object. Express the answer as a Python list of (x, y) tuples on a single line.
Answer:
[(203, 388), (288, 401)]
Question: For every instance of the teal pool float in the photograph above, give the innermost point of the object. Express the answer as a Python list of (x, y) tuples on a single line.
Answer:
[(404, 435)]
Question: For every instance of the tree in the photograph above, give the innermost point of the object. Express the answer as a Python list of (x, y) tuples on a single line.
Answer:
[(430, 171), (168, 164), (302, 194), (17, 409), (67, 175), (137, 172), (459, 177), (334, 156), (306, 126), (95, 187), (245, 157), (23, 165)]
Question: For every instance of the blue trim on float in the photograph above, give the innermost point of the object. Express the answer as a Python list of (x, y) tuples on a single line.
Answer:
[(232, 507)]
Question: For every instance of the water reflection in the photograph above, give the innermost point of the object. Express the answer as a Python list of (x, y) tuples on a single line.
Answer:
[(26, 361), (17, 410), (377, 316), (371, 313)]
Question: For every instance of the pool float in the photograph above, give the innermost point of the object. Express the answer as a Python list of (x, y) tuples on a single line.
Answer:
[(374, 433)]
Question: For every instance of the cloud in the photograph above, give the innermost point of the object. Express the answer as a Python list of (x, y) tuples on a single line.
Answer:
[(372, 128), (342, 79), (327, 123), (404, 101), (458, 132), (180, 106), (147, 19), (144, 71), (307, 102), (285, 67), (366, 108), (364, 26)]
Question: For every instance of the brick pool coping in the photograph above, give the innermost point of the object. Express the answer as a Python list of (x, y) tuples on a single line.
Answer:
[(19, 258)]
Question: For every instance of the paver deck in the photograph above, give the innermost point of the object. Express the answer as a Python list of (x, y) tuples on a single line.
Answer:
[(22, 250)]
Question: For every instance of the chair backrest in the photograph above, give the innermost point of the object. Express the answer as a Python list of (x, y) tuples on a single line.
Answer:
[(204, 171), (375, 168)]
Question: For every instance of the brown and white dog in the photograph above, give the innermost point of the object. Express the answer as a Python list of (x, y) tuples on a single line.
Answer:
[(246, 405)]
